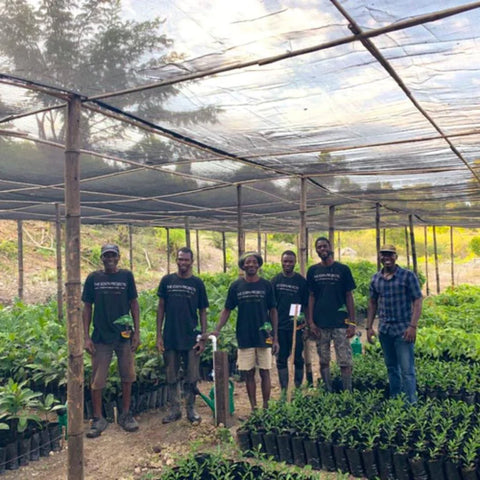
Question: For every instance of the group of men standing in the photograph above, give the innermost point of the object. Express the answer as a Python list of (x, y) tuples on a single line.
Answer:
[(264, 325)]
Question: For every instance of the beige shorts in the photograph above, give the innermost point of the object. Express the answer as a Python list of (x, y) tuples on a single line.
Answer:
[(249, 358), (343, 349)]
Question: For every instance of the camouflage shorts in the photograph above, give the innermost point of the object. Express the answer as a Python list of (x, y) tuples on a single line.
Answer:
[(343, 349)]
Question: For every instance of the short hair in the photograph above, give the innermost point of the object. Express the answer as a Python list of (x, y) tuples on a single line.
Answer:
[(185, 250), (288, 252), (324, 239)]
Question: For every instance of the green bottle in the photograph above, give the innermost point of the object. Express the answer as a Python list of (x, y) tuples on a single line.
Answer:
[(357, 345)]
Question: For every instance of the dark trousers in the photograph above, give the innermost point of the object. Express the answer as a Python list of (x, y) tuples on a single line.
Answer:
[(285, 342)]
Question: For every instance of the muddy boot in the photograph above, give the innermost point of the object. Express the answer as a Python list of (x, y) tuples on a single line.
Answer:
[(174, 412), (298, 377), (283, 378), (190, 394)]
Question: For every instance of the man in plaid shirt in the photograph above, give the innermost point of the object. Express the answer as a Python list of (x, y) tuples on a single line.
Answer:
[(395, 294)]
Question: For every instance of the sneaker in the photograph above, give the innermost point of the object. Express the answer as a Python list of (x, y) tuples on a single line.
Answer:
[(97, 427), (127, 422)]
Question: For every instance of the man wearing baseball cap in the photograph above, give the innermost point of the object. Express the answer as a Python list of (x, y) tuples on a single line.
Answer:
[(257, 315), (114, 294), (396, 296)]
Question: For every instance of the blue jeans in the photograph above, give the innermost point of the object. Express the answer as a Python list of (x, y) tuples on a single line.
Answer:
[(400, 362)]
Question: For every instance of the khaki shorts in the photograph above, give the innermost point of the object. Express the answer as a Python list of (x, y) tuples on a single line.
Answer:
[(102, 358), (249, 358), (188, 359), (343, 349)]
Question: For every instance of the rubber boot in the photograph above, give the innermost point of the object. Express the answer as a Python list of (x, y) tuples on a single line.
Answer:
[(347, 382), (298, 377), (327, 381), (192, 415), (309, 377), (174, 412), (283, 378)]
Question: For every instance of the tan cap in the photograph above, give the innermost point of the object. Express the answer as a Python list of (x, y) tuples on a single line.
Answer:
[(388, 248)]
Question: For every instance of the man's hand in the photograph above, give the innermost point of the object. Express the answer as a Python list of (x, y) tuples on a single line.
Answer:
[(410, 334), (89, 346), (160, 346), (350, 331), (199, 347), (135, 341), (275, 346), (371, 335), (314, 330)]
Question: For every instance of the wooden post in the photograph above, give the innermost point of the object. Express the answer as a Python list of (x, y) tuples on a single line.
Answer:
[(331, 226), (20, 258), (259, 240), (74, 318), (265, 243), (222, 407), (425, 231), (58, 242), (291, 360), (339, 255), (197, 243), (377, 234), (407, 247), (224, 252), (240, 233), (307, 243), (187, 233), (435, 253), (452, 258), (130, 246), (169, 253), (412, 243), (384, 235), (303, 230)]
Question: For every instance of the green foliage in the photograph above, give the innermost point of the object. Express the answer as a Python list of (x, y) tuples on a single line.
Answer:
[(8, 248), (475, 245)]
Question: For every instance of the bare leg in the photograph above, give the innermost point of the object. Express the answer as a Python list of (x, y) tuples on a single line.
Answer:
[(126, 396), (266, 386), (96, 403), (251, 387)]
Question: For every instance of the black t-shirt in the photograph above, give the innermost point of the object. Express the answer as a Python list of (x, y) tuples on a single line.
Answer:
[(329, 286), (183, 298), (289, 290), (254, 301), (110, 293)]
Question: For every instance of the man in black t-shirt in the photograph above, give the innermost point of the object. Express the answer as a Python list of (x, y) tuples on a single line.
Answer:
[(290, 288), (256, 321), (180, 296), (331, 312), (114, 294)]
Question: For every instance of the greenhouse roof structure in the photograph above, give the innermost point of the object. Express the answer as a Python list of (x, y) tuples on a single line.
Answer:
[(364, 103)]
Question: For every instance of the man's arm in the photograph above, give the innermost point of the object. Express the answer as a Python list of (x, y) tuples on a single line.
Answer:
[(224, 316), (160, 315), (135, 311), (311, 324), (199, 347), (350, 302), (411, 332), (273, 313), (372, 311), (87, 319)]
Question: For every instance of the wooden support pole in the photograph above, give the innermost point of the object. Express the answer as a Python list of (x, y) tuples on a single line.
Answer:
[(169, 253), (331, 226), (377, 234), (407, 247), (303, 229), (197, 244), (224, 252), (307, 242), (427, 284), (222, 404), (188, 241), (240, 233), (20, 258), (130, 246), (259, 240), (266, 246), (384, 236), (435, 253), (412, 243), (58, 245), (339, 247), (452, 258), (74, 318)]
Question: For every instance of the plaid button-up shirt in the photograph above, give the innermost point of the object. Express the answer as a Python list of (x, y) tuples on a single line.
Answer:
[(394, 299)]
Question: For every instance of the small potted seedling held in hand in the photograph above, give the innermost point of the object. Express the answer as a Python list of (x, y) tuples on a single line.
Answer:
[(267, 327), (126, 322)]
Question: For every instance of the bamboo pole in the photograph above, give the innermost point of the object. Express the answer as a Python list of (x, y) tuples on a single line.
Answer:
[(240, 232), (331, 226), (20, 258), (259, 240), (266, 246), (74, 319), (377, 233), (224, 252), (197, 243), (130, 245), (169, 253), (187, 233), (452, 258), (339, 247), (407, 247), (435, 253), (303, 230), (58, 242), (412, 243), (425, 231)]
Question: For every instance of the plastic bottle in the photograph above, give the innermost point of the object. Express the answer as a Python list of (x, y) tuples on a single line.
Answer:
[(357, 345)]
